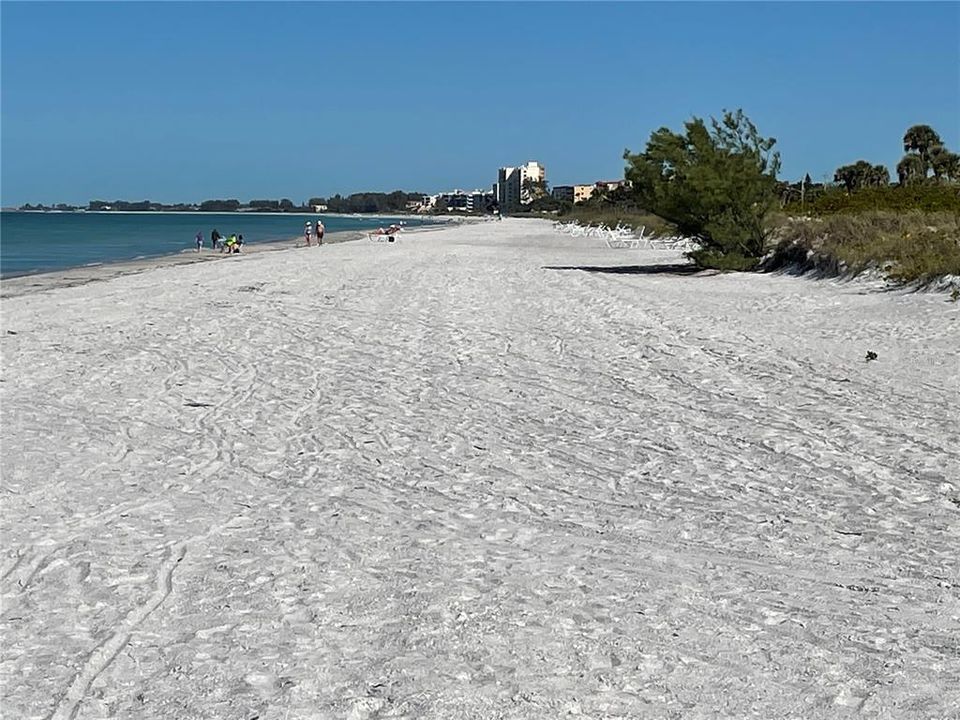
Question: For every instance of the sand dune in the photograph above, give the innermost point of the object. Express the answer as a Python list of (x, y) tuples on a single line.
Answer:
[(457, 477)]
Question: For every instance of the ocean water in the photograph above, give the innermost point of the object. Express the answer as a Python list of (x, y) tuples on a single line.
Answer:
[(41, 242)]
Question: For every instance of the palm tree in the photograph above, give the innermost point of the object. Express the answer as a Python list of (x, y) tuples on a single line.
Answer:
[(921, 138), (911, 169), (935, 156), (943, 162), (845, 175), (533, 190), (879, 176), (860, 175), (951, 167)]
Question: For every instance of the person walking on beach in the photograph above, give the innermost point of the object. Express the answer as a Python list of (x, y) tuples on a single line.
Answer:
[(320, 230), (214, 239), (199, 241), (306, 232)]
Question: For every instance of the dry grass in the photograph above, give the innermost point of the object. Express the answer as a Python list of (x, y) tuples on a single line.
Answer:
[(909, 247)]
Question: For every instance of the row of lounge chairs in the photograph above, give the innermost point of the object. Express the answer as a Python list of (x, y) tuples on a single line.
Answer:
[(625, 237)]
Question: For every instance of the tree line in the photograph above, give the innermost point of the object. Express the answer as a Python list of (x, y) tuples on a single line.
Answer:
[(370, 202), (927, 160), (365, 202)]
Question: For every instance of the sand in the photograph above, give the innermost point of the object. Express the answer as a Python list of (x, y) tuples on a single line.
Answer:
[(101, 272), (478, 474)]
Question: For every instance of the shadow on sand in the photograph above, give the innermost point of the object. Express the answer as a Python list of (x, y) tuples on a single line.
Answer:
[(674, 269)]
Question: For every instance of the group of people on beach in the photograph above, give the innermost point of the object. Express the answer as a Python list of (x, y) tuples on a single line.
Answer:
[(232, 244), (313, 230), (228, 245)]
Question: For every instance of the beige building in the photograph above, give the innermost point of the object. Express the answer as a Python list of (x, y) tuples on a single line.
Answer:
[(535, 171), (574, 193)]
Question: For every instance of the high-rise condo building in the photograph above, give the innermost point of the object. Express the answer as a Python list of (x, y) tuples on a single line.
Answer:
[(512, 188)]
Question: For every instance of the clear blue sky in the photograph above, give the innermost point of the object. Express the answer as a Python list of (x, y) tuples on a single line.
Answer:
[(187, 101)]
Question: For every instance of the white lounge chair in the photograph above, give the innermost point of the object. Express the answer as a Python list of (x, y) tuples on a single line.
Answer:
[(624, 237), (389, 234)]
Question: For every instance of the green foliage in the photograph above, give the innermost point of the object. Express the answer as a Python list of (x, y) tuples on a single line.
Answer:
[(900, 198), (944, 164), (220, 205), (141, 206), (728, 261), (125, 206), (925, 255), (549, 204), (716, 184), (533, 190), (622, 198), (862, 174), (800, 193), (265, 204), (920, 139), (396, 201), (62, 207), (911, 170), (926, 153), (370, 202)]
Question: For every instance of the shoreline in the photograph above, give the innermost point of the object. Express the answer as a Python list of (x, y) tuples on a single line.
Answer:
[(35, 282), (187, 254), (372, 216), (28, 283)]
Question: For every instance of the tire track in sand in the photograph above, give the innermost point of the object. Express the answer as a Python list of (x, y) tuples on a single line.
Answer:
[(101, 657)]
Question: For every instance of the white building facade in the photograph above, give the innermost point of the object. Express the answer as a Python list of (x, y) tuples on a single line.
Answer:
[(510, 186), (465, 201)]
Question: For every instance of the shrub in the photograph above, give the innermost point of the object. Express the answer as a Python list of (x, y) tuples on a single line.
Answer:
[(908, 247), (928, 197), (729, 261), (716, 184)]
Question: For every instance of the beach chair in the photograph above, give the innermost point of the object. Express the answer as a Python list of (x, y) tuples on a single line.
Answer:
[(622, 237), (390, 234), (673, 242)]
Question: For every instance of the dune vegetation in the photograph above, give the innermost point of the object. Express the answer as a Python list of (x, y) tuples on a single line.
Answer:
[(717, 182)]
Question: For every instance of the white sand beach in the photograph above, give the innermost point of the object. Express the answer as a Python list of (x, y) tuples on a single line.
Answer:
[(461, 476)]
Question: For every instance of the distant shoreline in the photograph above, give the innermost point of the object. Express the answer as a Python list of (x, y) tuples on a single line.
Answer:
[(17, 284), (25, 252), (30, 282), (226, 212)]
